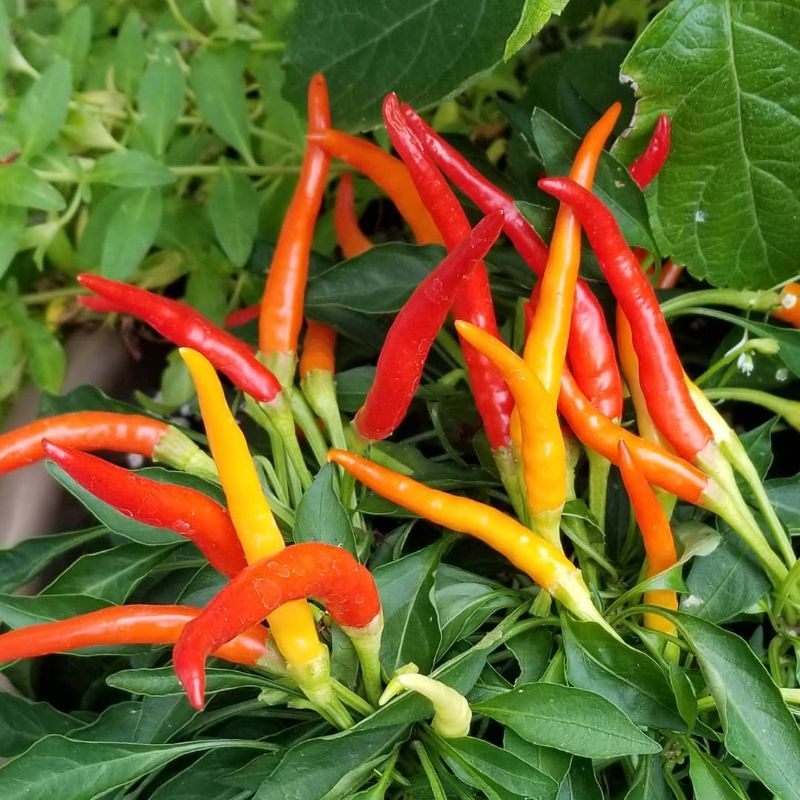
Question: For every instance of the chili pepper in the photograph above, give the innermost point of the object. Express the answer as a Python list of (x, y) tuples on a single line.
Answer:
[(318, 348), (282, 304), (546, 344), (451, 712), (544, 457), (659, 545), (590, 349), (388, 172), (789, 309), (527, 551), (659, 366), (134, 624), (349, 235), (412, 333), (185, 327), (328, 573), (178, 508), (473, 300), (650, 161), (241, 316)]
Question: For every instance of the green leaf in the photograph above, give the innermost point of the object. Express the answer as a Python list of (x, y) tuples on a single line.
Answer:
[(320, 515), (708, 779), (130, 232), (194, 780), (233, 209), (412, 48), (554, 763), (75, 40), (163, 682), (580, 782), (160, 97), (729, 195), (627, 677), (132, 169), (532, 650), (44, 108), (759, 728), (218, 82), (21, 186), (535, 14), (649, 783), (12, 227), (129, 52), (23, 722), (47, 361), (484, 765), (20, 611), (573, 720), (21, 563), (58, 767), (411, 626)]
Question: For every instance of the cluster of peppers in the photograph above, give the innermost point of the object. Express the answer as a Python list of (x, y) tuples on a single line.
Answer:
[(568, 371)]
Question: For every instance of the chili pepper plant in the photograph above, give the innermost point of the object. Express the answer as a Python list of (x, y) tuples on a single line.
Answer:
[(481, 480)]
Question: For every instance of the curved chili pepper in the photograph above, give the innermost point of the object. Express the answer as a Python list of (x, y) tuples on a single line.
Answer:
[(165, 505), (134, 624), (527, 551), (349, 236), (590, 349), (659, 545), (648, 164), (789, 309), (670, 273), (387, 172), (241, 316), (546, 344), (326, 572), (414, 328), (185, 327), (659, 366), (318, 348), (473, 301), (544, 457), (282, 303)]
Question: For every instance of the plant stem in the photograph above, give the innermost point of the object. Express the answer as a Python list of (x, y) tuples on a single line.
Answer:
[(599, 469), (744, 300), (430, 771), (789, 410)]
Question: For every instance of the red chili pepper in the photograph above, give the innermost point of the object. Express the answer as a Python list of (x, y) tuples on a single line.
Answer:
[(473, 301), (590, 350), (328, 573), (241, 316), (349, 236), (414, 328), (649, 163), (120, 625), (83, 430), (670, 273), (186, 511), (660, 368), (185, 327), (282, 304)]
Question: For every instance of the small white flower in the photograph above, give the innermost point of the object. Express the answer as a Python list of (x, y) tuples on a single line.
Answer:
[(745, 364)]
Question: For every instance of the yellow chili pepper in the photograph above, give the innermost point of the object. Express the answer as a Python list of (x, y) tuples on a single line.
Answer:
[(544, 456), (292, 625), (546, 345), (530, 553)]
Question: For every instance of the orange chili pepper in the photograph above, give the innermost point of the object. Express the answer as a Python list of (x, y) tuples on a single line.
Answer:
[(387, 172), (659, 544), (789, 309), (282, 304), (350, 237), (546, 345), (318, 348)]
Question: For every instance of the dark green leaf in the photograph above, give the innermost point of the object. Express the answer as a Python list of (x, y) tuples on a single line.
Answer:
[(20, 611), (411, 626), (163, 682), (784, 494), (131, 169), (554, 763), (708, 780), (44, 108), (649, 783), (218, 83), (535, 14), (352, 386), (411, 48), (581, 782), (130, 232), (23, 722), (196, 778), (233, 209), (627, 677), (573, 720), (160, 97), (729, 195), (532, 650), (320, 515), (759, 728), (21, 186), (129, 52)]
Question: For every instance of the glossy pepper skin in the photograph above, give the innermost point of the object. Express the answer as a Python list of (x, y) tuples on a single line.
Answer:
[(789, 310), (473, 302), (531, 554), (648, 164), (323, 571), (82, 430), (165, 505), (387, 172), (319, 346), (546, 344), (241, 316), (185, 327), (544, 457), (349, 236), (660, 368), (281, 314), (659, 544), (414, 329), (121, 625), (590, 349)]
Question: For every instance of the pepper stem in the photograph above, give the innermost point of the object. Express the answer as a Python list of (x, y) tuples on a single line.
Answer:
[(508, 466), (319, 389), (177, 450), (314, 679), (367, 644), (308, 424)]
